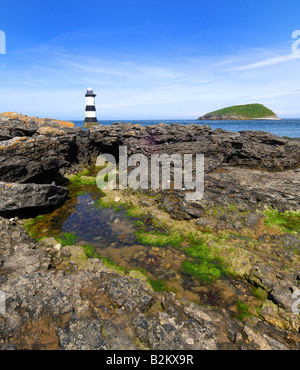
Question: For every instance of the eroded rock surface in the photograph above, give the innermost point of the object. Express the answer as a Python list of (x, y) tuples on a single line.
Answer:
[(31, 152), (58, 299), (14, 196), (90, 306)]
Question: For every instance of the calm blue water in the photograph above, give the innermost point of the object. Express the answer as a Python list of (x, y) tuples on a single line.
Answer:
[(285, 127)]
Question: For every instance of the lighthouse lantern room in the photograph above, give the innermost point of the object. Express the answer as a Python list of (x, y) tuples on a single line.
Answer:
[(90, 109)]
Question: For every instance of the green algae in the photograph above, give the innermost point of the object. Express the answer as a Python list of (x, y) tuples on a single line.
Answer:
[(30, 226), (283, 221), (260, 293), (67, 239), (205, 265), (90, 252), (86, 177), (159, 239), (83, 180), (158, 285), (242, 311)]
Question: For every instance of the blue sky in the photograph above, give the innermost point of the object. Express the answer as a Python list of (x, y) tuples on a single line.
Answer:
[(148, 59)]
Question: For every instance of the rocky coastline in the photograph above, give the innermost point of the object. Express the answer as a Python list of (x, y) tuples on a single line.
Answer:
[(56, 298), (234, 117)]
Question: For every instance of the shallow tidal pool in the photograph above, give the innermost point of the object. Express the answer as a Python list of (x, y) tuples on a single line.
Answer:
[(82, 220)]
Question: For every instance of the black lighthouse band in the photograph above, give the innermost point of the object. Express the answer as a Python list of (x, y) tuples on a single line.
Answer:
[(90, 108), (90, 94), (91, 120)]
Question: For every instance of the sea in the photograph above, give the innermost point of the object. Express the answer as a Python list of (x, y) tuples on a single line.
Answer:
[(285, 127)]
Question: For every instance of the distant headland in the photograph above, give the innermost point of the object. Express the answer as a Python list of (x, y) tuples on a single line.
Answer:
[(241, 112), (6, 116)]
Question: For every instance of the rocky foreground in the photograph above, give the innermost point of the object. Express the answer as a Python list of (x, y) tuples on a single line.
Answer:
[(59, 299)]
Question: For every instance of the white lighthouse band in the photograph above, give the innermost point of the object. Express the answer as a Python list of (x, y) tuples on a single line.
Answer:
[(90, 109)]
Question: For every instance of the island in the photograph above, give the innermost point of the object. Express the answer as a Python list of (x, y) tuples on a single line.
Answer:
[(241, 112)]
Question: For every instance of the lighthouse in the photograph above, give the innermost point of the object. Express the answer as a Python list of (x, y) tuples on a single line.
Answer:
[(90, 109)]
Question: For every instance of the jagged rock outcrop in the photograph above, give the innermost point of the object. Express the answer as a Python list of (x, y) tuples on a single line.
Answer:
[(44, 154), (41, 150), (7, 116), (31, 152), (249, 149)]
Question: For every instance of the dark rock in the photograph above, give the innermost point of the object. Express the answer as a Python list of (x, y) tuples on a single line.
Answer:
[(116, 337), (205, 222), (144, 203), (82, 334), (128, 296), (141, 326), (250, 149), (42, 154), (291, 241), (15, 196), (252, 220), (30, 152)]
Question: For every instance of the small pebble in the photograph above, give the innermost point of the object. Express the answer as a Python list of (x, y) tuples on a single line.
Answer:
[(190, 341), (57, 248)]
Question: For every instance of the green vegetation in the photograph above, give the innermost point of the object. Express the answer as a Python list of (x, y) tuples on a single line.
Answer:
[(81, 192), (67, 239), (99, 203), (260, 293), (243, 311), (136, 212), (206, 265), (202, 261), (247, 111), (204, 271), (86, 177), (29, 225), (83, 180), (158, 285), (90, 252), (288, 222), (159, 239)]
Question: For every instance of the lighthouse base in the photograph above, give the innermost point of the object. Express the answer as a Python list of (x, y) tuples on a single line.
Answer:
[(90, 122)]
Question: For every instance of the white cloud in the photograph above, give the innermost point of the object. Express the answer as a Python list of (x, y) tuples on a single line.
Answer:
[(53, 84), (267, 62)]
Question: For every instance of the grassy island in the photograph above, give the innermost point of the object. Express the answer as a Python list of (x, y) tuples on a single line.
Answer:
[(241, 112)]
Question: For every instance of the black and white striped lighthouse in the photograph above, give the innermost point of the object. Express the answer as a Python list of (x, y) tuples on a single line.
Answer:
[(90, 109)]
